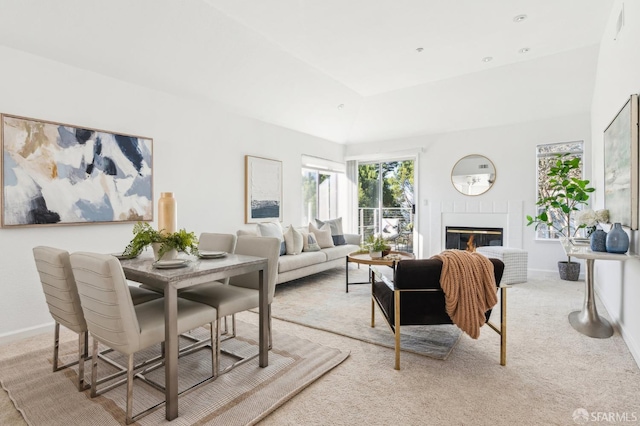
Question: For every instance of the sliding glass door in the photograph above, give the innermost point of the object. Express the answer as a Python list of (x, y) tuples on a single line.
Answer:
[(386, 202)]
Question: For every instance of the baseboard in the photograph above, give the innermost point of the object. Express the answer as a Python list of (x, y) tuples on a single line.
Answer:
[(26, 332), (633, 346)]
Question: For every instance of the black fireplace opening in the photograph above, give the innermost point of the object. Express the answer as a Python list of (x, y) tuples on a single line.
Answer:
[(467, 238)]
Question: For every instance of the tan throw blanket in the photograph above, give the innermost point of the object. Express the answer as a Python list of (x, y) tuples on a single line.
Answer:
[(469, 286)]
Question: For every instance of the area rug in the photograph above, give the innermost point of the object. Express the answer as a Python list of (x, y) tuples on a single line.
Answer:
[(320, 301), (242, 396)]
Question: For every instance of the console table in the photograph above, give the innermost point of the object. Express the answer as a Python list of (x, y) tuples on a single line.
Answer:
[(587, 321)]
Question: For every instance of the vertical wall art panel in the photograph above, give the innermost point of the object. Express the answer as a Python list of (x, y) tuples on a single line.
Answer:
[(54, 173), (621, 165), (263, 189)]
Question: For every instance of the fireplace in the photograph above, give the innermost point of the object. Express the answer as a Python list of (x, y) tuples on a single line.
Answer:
[(467, 238)]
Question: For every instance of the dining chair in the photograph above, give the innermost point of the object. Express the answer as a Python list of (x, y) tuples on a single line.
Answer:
[(62, 299), (242, 292), (113, 319)]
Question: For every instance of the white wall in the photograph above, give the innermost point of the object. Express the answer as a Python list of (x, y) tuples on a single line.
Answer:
[(512, 149), (617, 78), (199, 151)]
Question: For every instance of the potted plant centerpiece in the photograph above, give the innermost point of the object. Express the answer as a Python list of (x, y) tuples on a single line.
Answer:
[(564, 195), (164, 245), (376, 246)]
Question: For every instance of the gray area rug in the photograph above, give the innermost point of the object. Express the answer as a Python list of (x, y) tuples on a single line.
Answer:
[(320, 301), (242, 396)]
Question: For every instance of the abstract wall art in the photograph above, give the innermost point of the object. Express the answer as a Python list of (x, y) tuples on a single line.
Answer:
[(621, 165), (54, 173), (263, 189)]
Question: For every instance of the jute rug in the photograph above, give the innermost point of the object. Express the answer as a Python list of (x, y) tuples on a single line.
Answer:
[(320, 301), (242, 396)]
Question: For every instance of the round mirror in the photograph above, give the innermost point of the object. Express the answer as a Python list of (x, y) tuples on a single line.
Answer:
[(473, 175)]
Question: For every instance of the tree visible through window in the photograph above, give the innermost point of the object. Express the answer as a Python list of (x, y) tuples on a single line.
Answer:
[(546, 158)]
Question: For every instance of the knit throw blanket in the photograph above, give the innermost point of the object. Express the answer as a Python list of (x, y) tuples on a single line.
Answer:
[(469, 286)]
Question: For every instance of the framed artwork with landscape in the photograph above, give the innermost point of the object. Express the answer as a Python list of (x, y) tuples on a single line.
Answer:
[(263, 189), (621, 165), (60, 174)]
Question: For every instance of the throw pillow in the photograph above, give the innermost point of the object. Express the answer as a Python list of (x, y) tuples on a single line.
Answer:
[(310, 242), (293, 241), (273, 229), (336, 230), (323, 235)]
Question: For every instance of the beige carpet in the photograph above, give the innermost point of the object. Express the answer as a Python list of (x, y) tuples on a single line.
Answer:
[(242, 396), (551, 372), (320, 301)]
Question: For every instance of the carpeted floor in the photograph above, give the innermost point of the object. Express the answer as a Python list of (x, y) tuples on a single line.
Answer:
[(242, 396), (551, 372)]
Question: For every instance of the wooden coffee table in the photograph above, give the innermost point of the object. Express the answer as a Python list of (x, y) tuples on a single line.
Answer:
[(391, 260)]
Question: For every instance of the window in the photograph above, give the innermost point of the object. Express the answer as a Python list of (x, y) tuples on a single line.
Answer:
[(546, 157), (320, 194)]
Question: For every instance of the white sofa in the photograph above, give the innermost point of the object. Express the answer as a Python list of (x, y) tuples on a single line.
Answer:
[(291, 267)]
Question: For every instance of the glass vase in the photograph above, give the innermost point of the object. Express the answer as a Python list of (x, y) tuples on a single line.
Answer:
[(617, 240)]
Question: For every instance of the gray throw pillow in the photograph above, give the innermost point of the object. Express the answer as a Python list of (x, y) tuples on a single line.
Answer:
[(336, 230)]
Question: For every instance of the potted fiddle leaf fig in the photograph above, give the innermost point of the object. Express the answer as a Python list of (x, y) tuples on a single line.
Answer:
[(564, 196), (162, 243)]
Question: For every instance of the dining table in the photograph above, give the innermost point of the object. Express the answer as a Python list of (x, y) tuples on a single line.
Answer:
[(193, 272)]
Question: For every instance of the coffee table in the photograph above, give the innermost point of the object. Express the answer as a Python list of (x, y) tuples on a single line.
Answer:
[(391, 260)]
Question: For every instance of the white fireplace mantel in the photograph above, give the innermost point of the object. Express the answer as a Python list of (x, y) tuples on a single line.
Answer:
[(507, 215)]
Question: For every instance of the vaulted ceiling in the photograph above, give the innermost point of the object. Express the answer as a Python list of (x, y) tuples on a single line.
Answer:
[(345, 70)]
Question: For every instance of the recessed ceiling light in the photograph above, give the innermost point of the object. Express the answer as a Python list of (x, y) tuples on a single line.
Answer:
[(519, 18), (487, 59), (419, 49), (340, 106), (524, 50)]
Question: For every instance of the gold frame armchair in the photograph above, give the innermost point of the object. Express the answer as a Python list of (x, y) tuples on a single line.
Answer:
[(412, 295)]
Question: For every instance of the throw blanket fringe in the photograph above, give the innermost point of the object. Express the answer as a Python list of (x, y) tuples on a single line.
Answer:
[(469, 285)]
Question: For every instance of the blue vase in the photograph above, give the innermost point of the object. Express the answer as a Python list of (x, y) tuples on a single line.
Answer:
[(617, 240), (599, 240)]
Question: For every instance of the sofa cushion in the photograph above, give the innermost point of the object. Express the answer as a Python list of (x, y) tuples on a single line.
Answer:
[(293, 241), (336, 230), (323, 235), (308, 258), (339, 251)]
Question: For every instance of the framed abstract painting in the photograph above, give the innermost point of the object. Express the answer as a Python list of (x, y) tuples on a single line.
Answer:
[(59, 174), (621, 165), (263, 189)]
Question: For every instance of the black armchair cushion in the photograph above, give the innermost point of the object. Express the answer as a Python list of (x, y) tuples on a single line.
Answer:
[(422, 299)]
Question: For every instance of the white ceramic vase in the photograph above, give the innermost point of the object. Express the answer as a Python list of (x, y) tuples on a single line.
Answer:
[(171, 254)]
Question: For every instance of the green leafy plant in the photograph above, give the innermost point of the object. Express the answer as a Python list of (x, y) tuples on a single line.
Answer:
[(563, 196), (145, 235), (375, 243)]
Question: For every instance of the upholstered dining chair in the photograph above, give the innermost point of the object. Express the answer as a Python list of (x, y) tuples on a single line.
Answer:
[(62, 299), (241, 293), (113, 319)]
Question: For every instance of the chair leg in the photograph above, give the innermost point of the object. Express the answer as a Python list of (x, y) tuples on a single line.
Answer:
[(56, 346), (129, 418), (214, 353), (82, 350), (216, 348), (270, 342), (503, 326), (94, 368)]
